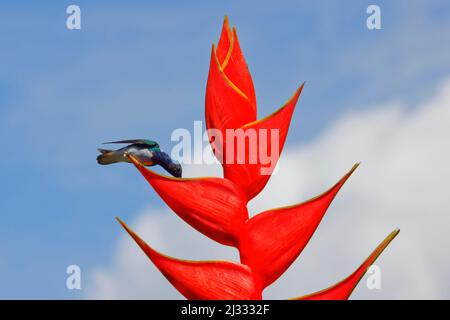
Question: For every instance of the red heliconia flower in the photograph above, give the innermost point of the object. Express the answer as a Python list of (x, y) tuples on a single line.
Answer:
[(270, 241)]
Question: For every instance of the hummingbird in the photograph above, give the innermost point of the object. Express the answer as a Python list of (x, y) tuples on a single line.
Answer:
[(147, 152)]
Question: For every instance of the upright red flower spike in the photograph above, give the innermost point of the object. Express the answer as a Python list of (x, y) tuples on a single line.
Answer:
[(269, 242)]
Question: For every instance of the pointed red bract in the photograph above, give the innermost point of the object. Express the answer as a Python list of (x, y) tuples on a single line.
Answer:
[(233, 64), (231, 105), (272, 240), (230, 100), (203, 280), (225, 43), (213, 206), (226, 106), (237, 71), (343, 289), (252, 175)]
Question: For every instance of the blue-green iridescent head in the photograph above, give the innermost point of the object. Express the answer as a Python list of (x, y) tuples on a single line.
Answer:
[(152, 145)]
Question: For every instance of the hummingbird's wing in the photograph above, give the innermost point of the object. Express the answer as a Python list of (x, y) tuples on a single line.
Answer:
[(136, 141)]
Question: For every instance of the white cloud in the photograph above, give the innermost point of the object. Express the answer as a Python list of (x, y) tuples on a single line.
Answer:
[(403, 182)]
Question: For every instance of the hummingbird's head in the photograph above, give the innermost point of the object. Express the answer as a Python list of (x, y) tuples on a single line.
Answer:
[(176, 169), (164, 160)]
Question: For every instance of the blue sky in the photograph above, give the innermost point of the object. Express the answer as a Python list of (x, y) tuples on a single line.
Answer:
[(138, 69)]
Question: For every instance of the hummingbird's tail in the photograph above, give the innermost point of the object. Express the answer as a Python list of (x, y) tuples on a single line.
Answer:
[(108, 157)]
